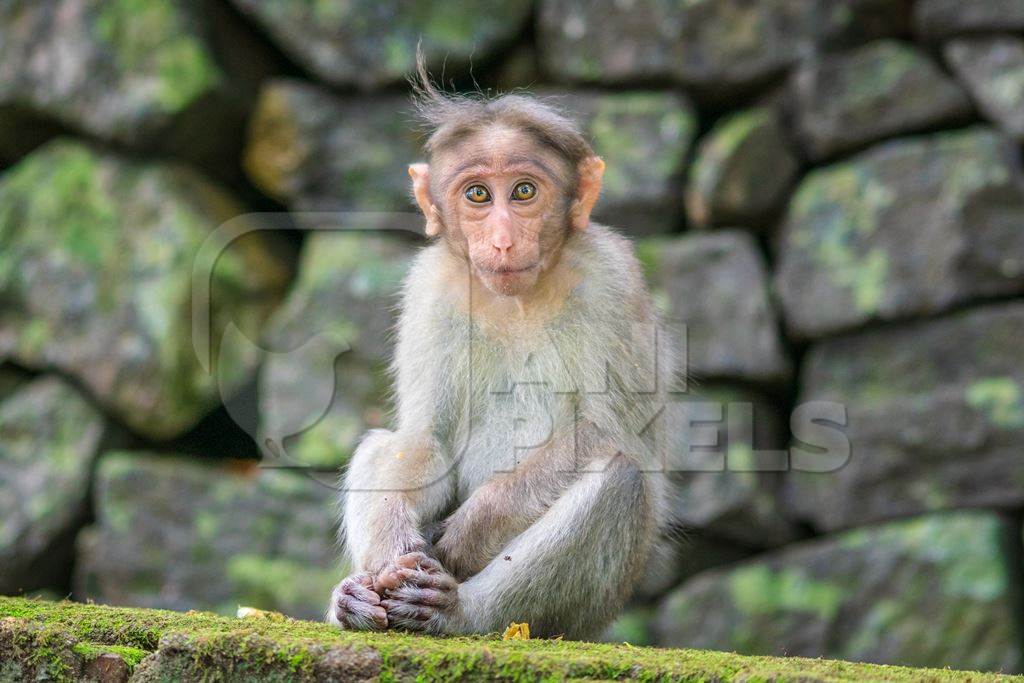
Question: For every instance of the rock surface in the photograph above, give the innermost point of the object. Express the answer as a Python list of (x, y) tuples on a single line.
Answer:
[(909, 227), (175, 533), (714, 46), (316, 151), (96, 259), (119, 70), (924, 592), (885, 88), (992, 70), (644, 138), (49, 436), (716, 286), (935, 418), (369, 44), (936, 19), (742, 171), (331, 342), (728, 485), (40, 640)]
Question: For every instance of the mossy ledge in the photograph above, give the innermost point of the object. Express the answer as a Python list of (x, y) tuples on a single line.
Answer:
[(65, 641)]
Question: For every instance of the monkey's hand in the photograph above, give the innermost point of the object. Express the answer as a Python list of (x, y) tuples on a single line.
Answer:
[(356, 605), (419, 595), (472, 535)]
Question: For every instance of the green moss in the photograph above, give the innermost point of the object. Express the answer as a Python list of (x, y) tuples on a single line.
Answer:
[(278, 583), (75, 208), (1000, 399), (759, 590), (634, 162), (839, 209), (90, 651), (649, 252), (721, 144), (211, 647), (150, 39)]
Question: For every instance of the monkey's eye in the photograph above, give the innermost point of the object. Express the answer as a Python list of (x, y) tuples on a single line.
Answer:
[(478, 194), (524, 191)]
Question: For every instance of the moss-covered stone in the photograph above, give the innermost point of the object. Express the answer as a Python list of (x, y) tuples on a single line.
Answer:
[(992, 70), (317, 151), (935, 418), (367, 43), (730, 327), (907, 228), (717, 47), (885, 88), (124, 70), (325, 383), (49, 436), (932, 591), (729, 470), (644, 138), (174, 533), (198, 646), (96, 263), (937, 19), (743, 169)]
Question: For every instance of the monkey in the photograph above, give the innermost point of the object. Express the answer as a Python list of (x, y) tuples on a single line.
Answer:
[(523, 477)]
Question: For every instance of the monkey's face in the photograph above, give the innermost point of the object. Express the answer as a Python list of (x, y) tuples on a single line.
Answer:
[(505, 201)]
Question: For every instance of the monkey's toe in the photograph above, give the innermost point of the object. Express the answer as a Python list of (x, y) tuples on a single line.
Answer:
[(418, 560), (356, 606), (429, 597), (360, 616)]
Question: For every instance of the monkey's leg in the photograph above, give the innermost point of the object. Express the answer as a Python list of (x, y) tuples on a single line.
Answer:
[(568, 573)]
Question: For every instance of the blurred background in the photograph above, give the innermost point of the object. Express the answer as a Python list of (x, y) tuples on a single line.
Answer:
[(827, 193)]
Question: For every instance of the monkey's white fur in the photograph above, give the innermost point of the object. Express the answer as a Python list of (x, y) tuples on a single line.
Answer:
[(550, 390)]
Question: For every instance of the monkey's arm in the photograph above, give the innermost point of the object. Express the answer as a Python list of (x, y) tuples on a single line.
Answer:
[(510, 502), (567, 574), (395, 482)]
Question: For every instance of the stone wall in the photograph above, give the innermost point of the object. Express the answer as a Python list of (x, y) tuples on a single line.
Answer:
[(828, 195)]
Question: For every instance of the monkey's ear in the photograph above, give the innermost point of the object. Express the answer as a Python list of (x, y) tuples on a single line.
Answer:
[(591, 171), (420, 174)]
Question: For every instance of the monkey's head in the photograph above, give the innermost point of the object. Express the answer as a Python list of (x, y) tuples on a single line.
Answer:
[(506, 181)]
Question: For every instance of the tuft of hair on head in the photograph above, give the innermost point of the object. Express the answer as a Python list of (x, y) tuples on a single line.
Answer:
[(447, 116)]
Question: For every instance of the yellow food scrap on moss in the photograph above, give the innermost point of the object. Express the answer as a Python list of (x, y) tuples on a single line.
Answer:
[(517, 632), (253, 613)]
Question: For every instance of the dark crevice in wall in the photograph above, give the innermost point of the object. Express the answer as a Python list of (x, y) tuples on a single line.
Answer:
[(945, 126), (227, 432), (1013, 546), (34, 130), (904, 320), (244, 48)]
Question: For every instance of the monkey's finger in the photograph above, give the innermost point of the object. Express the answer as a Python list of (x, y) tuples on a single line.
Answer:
[(365, 579), (400, 611), (442, 582), (375, 620), (387, 580), (422, 596), (419, 561), (360, 593), (359, 615)]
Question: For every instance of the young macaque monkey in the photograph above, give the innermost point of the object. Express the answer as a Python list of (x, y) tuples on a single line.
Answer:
[(529, 381)]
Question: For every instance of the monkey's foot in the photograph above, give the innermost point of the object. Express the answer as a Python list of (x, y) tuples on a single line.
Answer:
[(356, 606), (419, 594)]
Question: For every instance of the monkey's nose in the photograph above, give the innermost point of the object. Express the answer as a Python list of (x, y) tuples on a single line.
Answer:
[(501, 240)]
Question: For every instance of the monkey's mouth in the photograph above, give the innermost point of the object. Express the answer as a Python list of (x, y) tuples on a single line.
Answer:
[(509, 270)]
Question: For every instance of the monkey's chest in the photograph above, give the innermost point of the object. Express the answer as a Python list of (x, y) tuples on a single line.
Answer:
[(513, 405)]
